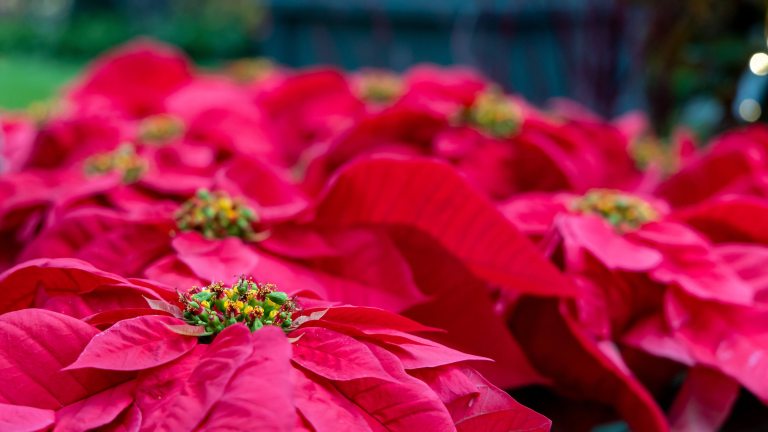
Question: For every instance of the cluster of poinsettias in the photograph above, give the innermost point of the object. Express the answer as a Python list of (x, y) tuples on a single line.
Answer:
[(308, 250)]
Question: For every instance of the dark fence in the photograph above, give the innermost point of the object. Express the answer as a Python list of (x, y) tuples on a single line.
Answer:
[(585, 49)]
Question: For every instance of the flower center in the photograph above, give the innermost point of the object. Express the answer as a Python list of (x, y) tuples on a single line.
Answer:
[(217, 215), (493, 113), (379, 86), (254, 304), (647, 151), (249, 70), (624, 212), (123, 160), (160, 129), (42, 111)]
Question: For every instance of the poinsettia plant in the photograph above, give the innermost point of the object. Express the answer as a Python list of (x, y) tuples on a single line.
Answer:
[(234, 354), (429, 244)]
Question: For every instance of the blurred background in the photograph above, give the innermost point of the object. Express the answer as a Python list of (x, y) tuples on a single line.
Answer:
[(701, 63)]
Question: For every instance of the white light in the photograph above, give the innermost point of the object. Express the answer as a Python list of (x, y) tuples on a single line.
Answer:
[(750, 110), (758, 63)]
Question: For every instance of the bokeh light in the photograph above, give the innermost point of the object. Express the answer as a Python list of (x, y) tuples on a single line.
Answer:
[(749, 110), (758, 63)]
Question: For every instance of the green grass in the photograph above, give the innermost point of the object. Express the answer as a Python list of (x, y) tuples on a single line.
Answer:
[(26, 79)]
